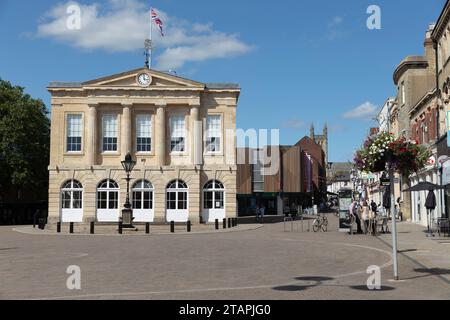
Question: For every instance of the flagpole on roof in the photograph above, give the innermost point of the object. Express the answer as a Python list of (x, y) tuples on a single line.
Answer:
[(151, 37), (148, 44)]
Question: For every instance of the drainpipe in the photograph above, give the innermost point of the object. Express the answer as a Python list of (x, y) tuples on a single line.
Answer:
[(438, 92), (439, 101)]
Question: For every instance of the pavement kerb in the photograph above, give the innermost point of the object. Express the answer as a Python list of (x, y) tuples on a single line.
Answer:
[(241, 228)]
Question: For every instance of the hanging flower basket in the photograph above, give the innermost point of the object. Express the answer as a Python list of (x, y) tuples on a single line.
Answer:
[(383, 152)]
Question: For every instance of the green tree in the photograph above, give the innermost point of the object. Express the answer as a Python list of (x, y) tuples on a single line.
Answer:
[(24, 144)]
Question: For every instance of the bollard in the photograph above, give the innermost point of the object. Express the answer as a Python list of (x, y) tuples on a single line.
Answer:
[(224, 223), (147, 228), (234, 222), (217, 224), (71, 228), (58, 227), (189, 226), (172, 226), (201, 220), (229, 223), (237, 222), (92, 227), (120, 227)]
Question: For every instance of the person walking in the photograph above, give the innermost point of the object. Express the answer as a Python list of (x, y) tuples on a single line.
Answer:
[(354, 211), (262, 212), (364, 210)]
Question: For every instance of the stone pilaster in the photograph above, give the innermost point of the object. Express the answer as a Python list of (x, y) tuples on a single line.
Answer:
[(160, 135), (126, 130), (91, 141), (196, 136)]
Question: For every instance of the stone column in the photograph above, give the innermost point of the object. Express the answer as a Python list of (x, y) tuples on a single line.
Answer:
[(91, 142), (160, 135), (126, 129), (196, 135)]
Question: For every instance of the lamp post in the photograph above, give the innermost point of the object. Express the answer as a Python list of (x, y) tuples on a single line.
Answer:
[(127, 213), (393, 207)]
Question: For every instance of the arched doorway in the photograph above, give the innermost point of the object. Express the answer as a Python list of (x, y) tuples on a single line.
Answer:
[(72, 201), (143, 201), (177, 201), (108, 201), (213, 201)]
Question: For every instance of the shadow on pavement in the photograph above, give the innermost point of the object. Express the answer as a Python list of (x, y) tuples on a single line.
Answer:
[(291, 288), (365, 288)]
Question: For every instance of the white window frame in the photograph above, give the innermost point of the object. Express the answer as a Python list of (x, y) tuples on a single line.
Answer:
[(218, 134), (72, 214), (183, 135), (68, 129), (150, 132), (117, 133), (143, 215), (177, 214), (211, 214), (108, 214)]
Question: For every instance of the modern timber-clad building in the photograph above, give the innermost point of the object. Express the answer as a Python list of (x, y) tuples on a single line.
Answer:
[(177, 130)]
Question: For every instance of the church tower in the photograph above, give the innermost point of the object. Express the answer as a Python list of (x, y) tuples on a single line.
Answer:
[(321, 140)]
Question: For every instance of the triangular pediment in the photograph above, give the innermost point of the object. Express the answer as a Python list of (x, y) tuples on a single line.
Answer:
[(129, 79)]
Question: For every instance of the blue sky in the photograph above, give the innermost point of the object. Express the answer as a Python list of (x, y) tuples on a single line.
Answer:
[(297, 61)]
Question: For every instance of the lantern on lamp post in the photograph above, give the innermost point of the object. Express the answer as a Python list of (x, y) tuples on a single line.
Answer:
[(127, 213)]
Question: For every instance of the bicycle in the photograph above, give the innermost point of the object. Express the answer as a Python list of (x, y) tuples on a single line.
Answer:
[(321, 222)]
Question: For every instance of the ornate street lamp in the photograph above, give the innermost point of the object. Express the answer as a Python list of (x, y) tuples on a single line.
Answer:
[(127, 213)]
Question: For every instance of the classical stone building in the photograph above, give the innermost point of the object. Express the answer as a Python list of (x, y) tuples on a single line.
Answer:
[(180, 132)]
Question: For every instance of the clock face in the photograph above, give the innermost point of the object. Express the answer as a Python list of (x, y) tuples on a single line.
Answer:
[(144, 79)]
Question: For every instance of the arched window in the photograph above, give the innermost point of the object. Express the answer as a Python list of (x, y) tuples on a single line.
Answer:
[(143, 195), (177, 195), (213, 195), (72, 195), (108, 195)]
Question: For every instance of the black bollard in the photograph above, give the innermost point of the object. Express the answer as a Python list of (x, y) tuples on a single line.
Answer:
[(189, 226), (172, 226), (217, 224), (236, 222), (71, 228), (120, 227), (147, 228), (224, 223), (92, 227), (229, 223), (58, 227)]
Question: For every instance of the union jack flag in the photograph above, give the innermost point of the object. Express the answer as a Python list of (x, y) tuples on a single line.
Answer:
[(157, 20)]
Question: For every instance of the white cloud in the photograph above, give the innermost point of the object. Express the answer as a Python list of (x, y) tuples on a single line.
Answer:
[(123, 25), (335, 28), (294, 124), (335, 21), (365, 111)]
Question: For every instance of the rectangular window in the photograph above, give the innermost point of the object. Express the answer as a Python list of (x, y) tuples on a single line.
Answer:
[(74, 132), (403, 92), (171, 200), (208, 200), (213, 133), (177, 134), (143, 133), (102, 197), (258, 177), (110, 133)]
